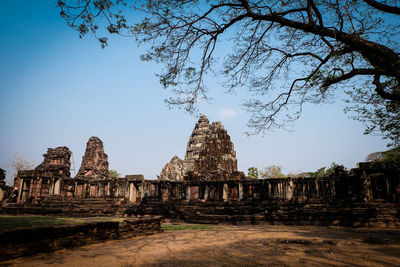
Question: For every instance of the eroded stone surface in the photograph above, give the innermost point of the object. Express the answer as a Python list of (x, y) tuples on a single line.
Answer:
[(210, 156), (95, 161), (56, 161), (173, 170), (210, 153)]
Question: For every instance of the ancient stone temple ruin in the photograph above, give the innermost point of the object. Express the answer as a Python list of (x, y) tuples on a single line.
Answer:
[(47, 178), (56, 162), (95, 162), (210, 156), (206, 187)]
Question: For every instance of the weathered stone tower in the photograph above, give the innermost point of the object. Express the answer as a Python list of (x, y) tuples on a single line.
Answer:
[(210, 154), (57, 161), (95, 161), (196, 142)]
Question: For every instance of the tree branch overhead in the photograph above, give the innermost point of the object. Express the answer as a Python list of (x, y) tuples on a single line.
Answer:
[(309, 46)]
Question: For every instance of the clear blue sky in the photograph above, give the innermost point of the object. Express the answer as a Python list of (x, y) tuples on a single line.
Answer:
[(58, 90)]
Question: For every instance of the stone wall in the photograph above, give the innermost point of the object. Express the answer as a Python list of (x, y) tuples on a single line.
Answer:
[(366, 196), (370, 181), (18, 243)]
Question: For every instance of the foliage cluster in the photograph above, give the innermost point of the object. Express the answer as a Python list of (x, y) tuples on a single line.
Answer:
[(252, 173), (272, 171), (392, 156), (113, 174), (325, 172), (20, 164)]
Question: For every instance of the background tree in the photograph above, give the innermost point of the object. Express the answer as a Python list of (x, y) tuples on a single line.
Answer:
[(252, 172), (380, 116), (325, 172), (375, 156), (272, 171), (113, 174), (20, 164), (286, 52), (392, 156)]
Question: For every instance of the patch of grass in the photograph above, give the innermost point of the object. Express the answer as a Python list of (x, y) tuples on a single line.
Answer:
[(171, 227), (9, 222)]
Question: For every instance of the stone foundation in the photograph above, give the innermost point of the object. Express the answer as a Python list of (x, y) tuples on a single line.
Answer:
[(373, 214), (26, 242), (201, 187)]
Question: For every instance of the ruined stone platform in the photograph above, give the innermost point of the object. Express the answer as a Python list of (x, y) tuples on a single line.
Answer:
[(18, 243), (69, 207), (374, 214)]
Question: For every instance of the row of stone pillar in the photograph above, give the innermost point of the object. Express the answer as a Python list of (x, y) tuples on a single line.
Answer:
[(241, 190)]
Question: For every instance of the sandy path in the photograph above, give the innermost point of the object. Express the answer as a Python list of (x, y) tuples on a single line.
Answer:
[(237, 246)]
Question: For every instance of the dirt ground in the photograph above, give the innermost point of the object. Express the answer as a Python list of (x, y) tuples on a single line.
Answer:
[(236, 246)]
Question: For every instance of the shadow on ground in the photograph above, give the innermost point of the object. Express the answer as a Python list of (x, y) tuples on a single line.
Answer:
[(237, 246)]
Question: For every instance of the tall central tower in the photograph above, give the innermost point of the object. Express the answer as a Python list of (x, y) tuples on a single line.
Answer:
[(210, 154)]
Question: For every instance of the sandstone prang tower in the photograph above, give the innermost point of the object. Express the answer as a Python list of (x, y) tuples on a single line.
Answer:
[(210, 156)]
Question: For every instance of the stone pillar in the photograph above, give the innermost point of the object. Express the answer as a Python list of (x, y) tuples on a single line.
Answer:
[(280, 189), (194, 192), (240, 191), (388, 191), (31, 187), (225, 191), (289, 190), (164, 193), (21, 182), (132, 193), (99, 190), (366, 193), (205, 192), (75, 188), (153, 189), (141, 191), (187, 192)]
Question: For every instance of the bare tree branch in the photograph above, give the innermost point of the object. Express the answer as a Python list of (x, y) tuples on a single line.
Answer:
[(383, 7)]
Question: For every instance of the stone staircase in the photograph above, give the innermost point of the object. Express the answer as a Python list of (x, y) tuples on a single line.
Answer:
[(70, 207)]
